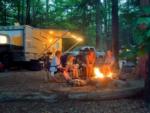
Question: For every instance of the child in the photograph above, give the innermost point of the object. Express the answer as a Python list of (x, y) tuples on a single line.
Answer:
[(70, 66)]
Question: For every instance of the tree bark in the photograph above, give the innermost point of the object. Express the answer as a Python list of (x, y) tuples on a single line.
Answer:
[(98, 23), (19, 10), (147, 82), (108, 35), (144, 3), (5, 15), (105, 18), (115, 31), (47, 9), (28, 12), (22, 12)]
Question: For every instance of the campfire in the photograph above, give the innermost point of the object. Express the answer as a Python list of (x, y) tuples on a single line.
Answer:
[(103, 76), (103, 72)]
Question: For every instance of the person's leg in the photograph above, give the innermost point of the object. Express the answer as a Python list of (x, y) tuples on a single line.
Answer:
[(53, 77), (87, 72), (91, 71), (75, 73), (66, 76)]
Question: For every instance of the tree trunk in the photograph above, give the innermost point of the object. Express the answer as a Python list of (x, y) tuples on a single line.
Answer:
[(144, 3), (19, 11), (115, 31), (147, 82), (47, 10), (5, 15), (34, 21), (28, 12), (22, 12), (108, 35), (98, 23)]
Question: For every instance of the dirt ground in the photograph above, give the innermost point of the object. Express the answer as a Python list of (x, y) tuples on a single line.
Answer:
[(34, 81), (112, 106), (26, 81)]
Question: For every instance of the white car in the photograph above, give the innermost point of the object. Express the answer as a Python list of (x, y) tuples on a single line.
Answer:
[(87, 48), (100, 54)]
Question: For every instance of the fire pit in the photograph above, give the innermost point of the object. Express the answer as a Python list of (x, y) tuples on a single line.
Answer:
[(102, 78), (100, 87), (100, 82), (103, 85), (103, 74)]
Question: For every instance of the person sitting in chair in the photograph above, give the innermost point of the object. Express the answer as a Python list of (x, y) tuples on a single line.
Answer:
[(57, 67), (70, 66)]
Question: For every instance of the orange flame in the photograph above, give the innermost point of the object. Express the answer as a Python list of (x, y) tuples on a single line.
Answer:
[(110, 75), (99, 74)]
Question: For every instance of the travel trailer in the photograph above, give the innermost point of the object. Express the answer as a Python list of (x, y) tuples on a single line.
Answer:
[(23, 44)]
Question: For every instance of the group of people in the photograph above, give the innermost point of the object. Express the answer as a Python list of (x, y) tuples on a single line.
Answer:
[(56, 66), (73, 64)]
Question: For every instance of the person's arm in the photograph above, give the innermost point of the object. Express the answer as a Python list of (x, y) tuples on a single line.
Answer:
[(58, 63)]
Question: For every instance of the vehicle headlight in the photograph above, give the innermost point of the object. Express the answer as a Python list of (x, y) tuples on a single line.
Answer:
[(3, 39)]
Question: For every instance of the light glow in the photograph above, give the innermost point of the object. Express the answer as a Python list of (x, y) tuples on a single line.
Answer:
[(97, 72), (110, 75), (73, 36), (3, 39), (51, 32), (127, 49), (79, 39), (50, 40)]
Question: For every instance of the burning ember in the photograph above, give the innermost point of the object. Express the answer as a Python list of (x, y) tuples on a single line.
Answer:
[(102, 73)]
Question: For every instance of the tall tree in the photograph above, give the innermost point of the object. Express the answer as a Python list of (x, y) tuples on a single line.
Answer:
[(107, 23), (98, 23), (115, 30), (18, 10), (22, 12), (47, 10), (28, 20), (144, 2), (146, 25), (5, 13)]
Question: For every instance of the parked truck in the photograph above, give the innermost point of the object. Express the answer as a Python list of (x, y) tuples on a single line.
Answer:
[(21, 45)]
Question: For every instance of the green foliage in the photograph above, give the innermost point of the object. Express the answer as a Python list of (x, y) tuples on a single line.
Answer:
[(129, 53), (75, 15), (141, 34), (143, 30)]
